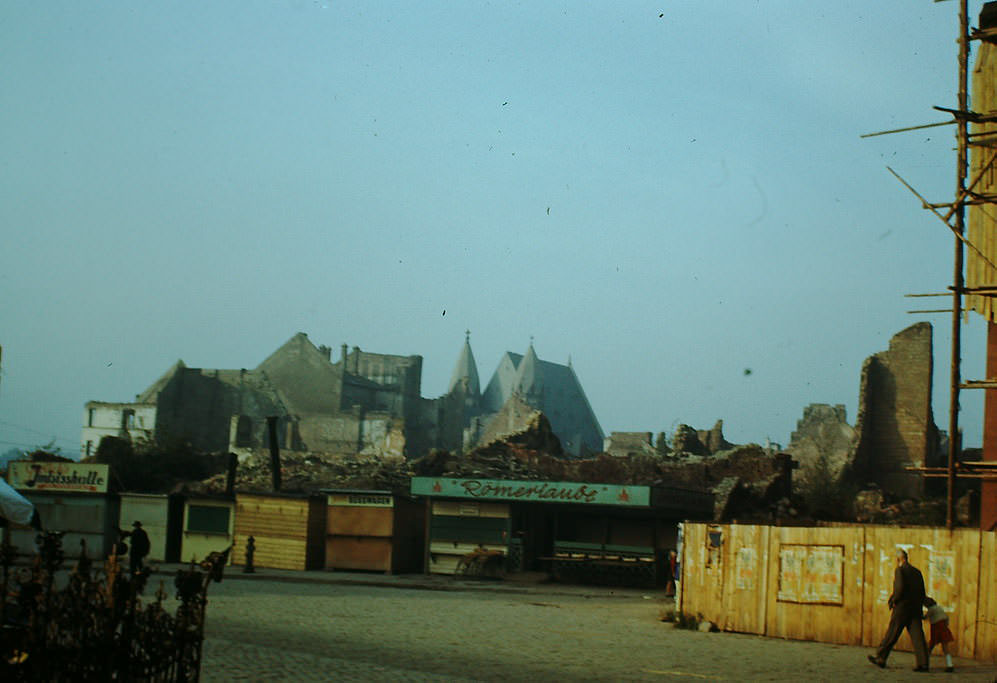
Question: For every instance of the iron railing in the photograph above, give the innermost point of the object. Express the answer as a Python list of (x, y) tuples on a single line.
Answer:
[(90, 624)]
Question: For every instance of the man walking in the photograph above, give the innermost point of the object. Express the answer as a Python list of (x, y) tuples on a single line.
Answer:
[(140, 547), (906, 602)]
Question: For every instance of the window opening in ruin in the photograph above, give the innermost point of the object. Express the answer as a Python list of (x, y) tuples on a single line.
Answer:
[(244, 431), (128, 419)]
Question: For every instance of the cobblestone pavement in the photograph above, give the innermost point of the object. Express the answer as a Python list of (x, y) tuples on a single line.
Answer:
[(276, 630)]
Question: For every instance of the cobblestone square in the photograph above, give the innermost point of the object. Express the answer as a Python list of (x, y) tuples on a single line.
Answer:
[(271, 630)]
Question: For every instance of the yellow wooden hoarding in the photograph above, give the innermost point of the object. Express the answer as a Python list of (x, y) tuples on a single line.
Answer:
[(832, 584)]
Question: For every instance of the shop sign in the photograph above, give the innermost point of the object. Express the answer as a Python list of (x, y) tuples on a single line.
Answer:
[(534, 491), (366, 500), (64, 477)]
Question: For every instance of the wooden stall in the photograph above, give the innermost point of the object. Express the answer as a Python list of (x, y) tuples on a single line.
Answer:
[(579, 532), (70, 497), (208, 526), (831, 583), (463, 529), (288, 530), (371, 530), (152, 510)]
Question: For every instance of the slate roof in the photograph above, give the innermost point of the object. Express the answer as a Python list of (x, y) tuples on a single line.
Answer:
[(466, 368), (562, 400)]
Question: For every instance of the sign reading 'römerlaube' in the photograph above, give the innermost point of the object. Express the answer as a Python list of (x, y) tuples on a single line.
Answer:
[(58, 476), (539, 491)]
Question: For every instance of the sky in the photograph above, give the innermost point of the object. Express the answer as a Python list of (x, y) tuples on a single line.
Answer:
[(675, 195)]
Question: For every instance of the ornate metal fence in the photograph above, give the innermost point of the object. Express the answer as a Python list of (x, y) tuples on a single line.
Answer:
[(87, 624)]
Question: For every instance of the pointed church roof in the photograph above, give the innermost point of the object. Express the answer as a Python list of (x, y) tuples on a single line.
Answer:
[(466, 368), (563, 401), (529, 377)]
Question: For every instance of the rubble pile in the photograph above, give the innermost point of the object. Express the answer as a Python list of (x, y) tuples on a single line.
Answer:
[(311, 472), (823, 439), (746, 480), (872, 507)]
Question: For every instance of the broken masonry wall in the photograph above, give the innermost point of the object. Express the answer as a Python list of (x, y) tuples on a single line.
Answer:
[(822, 433), (514, 417), (713, 439), (621, 444), (352, 433), (895, 425)]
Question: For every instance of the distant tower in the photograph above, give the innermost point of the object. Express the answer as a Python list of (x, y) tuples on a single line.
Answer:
[(529, 382), (465, 379)]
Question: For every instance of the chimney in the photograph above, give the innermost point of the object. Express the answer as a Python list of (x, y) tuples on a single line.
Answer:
[(274, 453), (233, 464), (356, 360), (325, 351), (344, 357)]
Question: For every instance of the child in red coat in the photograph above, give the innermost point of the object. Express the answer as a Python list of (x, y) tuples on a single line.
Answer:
[(940, 632)]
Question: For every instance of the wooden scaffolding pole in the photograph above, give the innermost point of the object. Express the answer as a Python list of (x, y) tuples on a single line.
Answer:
[(962, 131)]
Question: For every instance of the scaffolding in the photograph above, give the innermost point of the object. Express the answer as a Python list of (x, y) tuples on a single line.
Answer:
[(983, 142)]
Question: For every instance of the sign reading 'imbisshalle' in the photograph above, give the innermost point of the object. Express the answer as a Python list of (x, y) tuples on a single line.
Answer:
[(539, 491), (58, 476)]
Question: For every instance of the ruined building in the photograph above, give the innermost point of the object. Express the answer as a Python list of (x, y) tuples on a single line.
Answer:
[(551, 388), (362, 403), (894, 428)]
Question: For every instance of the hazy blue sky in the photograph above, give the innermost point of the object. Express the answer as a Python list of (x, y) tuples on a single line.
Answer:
[(669, 200)]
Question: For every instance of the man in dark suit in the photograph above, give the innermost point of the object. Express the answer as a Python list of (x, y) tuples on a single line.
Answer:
[(906, 602)]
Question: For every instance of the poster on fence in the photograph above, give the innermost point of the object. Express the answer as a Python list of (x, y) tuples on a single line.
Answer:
[(941, 578), (811, 574), (747, 559)]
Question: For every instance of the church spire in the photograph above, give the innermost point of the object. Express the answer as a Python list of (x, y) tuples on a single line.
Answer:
[(529, 379), (466, 369)]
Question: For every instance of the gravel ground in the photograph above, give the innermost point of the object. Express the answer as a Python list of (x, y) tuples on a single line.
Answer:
[(275, 630)]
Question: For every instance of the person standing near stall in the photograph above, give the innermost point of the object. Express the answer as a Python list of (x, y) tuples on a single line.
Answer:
[(139, 547)]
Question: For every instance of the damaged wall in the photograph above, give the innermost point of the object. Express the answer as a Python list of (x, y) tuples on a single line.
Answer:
[(822, 432), (515, 417), (895, 425), (622, 444)]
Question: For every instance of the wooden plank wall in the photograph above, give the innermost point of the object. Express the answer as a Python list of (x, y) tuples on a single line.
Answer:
[(738, 587), (950, 563), (828, 623), (702, 576), (745, 591), (986, 615), (279, 527)]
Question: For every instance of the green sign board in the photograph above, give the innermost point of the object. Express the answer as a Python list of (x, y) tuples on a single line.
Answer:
[(533, 491)]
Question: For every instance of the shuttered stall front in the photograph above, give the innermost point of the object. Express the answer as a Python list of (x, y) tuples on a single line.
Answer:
[(288, 531), (207, 527), (460, 527), (372, 531), (72, 498), (80, 517), (152, 511)]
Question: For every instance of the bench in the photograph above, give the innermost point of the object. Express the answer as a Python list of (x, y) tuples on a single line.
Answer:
[(603, 563)]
